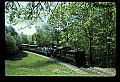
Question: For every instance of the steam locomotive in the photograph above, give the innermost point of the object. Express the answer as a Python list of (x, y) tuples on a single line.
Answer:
[(66, 54)]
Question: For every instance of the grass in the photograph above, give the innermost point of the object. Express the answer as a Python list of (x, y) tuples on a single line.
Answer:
[(33, 65)]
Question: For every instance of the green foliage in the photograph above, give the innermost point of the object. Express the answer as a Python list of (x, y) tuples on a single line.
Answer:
[(24, 38), (43, 36), (11, 30), (18, 41), (87, 25), (10, 40), (90, 26), (31, 11), (10, 45)]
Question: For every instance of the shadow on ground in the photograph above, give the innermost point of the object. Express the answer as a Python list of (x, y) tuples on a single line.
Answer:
[(19, 56), (38, 64)]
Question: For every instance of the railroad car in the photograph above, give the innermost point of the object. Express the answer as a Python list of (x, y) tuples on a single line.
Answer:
[(73, 56)]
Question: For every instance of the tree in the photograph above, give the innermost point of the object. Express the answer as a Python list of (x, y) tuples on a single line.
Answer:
[(30, 40), (10, 45), (16, 12), (43, 35), (88, 25), (24, 38), (11, 30), (89, 17), (18, 40)]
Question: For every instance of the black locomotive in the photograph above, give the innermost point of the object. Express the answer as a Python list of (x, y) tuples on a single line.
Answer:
[(66, 54)]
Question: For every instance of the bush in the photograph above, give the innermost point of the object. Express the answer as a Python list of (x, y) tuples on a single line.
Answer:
[(10, 45)]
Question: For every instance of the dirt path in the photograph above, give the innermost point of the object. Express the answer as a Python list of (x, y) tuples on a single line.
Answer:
[(107, 72), (92, 70)]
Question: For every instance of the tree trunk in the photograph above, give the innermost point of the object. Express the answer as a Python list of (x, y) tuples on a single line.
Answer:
[(108, 49), (91, 55)]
